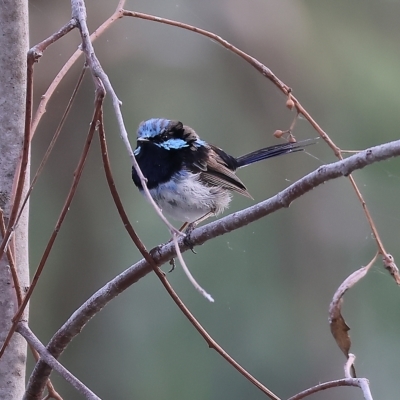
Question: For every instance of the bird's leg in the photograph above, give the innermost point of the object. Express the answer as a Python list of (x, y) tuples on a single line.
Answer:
[(188, 230), (155, 250), (172, 260), (190, 227)]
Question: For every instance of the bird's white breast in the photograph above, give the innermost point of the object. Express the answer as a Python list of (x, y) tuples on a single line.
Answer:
[(185, 198)]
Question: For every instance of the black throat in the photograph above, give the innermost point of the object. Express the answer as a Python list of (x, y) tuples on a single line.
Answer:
[(159, 164)]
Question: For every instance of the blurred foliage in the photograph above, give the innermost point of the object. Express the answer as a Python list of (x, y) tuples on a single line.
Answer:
[(272, 280)]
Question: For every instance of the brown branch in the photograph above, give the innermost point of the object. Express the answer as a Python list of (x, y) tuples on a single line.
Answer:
[(41, 110), (98, 109), (36, 52), (52, 143), (65, 209), (200, 235), (77, 175), (286, 90), (33, 55), (211, 342), (79, 13), (251, 60), (260, 67), (42, 370), (17, 287), (10, 258), (98, 74)]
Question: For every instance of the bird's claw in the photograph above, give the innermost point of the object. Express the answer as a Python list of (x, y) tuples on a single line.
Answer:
[(172, 264), (187, 239)]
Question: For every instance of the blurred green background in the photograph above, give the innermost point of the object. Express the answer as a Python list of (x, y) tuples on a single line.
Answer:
[(273, 280)]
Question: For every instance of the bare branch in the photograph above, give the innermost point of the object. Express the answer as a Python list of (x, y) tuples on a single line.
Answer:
[(79, 13), (50, 90), (30, 337), (235, 221), (291, 102), (200, 235), (61, 218), (362, 383), (188, 273)]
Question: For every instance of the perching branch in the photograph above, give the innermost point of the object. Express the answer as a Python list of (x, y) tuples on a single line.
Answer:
[(222, 226), (102, 297)]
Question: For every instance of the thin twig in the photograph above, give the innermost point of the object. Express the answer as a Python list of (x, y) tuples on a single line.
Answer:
[(362, 383), (33, 55), (349, 365), (66, 207), (159, 274), (77, 175), (11, 262), (52, 143), (188, 273), (79, 13), (65, 334), (30, 337), (36, 52), (71, 61), (286, 90)]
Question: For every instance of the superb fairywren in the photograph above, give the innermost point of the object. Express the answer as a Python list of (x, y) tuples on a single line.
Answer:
[(188, 178)]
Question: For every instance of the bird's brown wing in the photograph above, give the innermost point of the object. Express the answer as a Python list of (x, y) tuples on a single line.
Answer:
[(215, 171)]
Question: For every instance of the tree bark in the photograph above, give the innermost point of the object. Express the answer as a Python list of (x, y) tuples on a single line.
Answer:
[(13, 50)]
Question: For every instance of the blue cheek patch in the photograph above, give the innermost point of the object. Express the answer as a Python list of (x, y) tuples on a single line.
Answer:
[(173, 144), (199, 143)]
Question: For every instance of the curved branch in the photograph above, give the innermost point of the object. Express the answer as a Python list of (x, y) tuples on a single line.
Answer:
[(102, 297), (362, 383)]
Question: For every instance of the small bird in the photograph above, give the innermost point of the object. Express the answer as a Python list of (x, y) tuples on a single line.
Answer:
[(189, 179)]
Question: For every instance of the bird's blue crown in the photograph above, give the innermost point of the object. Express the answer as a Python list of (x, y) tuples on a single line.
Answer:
[(158, 130), (152, 127)]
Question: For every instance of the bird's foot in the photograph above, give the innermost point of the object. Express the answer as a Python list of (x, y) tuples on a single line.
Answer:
[(187, 240)]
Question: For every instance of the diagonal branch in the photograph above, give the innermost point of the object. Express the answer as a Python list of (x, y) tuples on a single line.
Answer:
[(102, 297), (64, 211), (291, 103), (23, 330)]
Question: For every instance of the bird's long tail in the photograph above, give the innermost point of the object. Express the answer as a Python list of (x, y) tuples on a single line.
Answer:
[(272, 151)]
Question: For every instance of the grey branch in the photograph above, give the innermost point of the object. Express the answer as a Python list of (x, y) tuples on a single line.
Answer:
[(30, 337), (102, 297), (362, 383)]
